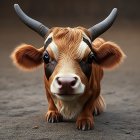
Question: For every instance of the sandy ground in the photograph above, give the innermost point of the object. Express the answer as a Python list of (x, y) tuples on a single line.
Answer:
[(23, 102)]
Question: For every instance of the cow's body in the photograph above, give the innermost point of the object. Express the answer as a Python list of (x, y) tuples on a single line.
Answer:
[(73, 68), (71, 109)]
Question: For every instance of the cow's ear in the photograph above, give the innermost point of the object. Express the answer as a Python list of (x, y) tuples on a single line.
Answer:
[(27, 57), (109, 55)]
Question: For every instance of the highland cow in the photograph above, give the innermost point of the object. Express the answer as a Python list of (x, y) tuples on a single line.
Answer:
[(73, 60)]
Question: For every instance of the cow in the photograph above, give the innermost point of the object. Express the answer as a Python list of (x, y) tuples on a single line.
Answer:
[(73, 60)]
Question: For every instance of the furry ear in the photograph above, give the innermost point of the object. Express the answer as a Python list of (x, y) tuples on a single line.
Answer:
[(27, 57), (109, 55)]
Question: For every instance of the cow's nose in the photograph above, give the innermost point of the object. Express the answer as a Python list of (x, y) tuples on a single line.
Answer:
[(66, 82)]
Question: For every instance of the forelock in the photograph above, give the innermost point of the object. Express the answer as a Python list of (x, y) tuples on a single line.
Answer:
[(67, 37), (68, 41)]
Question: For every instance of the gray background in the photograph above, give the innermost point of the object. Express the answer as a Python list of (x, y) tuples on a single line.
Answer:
[(23, 102)]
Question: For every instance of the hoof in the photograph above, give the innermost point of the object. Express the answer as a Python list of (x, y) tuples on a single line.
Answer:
[(53, 117), (84, 124)]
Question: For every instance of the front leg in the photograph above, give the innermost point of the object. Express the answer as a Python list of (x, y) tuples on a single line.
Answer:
[(52, 115), (85, 120)]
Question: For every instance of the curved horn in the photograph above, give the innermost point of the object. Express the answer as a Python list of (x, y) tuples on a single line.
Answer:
[(31, 23), (101, 27)]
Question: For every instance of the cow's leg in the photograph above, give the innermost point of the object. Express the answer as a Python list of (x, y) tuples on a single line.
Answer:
[(99, 105), (52, 115), (85, 120)]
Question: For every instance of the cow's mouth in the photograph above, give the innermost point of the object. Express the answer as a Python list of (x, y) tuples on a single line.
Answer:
[(67, 96), (66, 92)]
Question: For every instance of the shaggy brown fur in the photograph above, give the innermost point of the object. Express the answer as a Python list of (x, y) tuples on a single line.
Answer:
[(27, 57), (108, 54)]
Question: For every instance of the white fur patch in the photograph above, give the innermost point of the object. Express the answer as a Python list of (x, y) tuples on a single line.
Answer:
[(70, 110), (85, 36), (82, 48), (54, 49), (83, 45), (53, 46)]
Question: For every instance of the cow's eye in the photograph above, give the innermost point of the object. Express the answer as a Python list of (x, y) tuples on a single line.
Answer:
[(90, 58), (46, 57)]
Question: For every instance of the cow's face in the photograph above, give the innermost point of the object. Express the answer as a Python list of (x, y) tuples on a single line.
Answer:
[(68, 55), (66, 60), (67, 70)]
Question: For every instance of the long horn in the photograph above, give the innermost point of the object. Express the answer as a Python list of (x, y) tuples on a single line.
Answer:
[(101, 27), (31, 23)]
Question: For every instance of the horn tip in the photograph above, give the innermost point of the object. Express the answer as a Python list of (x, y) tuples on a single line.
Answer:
[(16, 7), (16, 4), (115, 9)]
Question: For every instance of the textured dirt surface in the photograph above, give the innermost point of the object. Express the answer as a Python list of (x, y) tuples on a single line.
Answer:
[(23, 102)]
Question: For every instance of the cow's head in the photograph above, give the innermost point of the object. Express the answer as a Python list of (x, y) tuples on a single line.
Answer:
[(67, 55)]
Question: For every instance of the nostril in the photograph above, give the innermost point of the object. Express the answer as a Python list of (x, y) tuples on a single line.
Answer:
[(74, 81), (59, 81)]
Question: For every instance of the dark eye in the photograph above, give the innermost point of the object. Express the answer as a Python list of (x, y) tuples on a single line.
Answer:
[(46, 57), (90, 58)]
